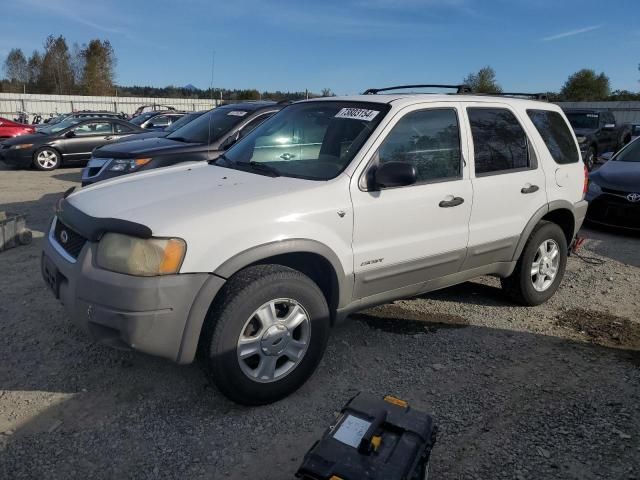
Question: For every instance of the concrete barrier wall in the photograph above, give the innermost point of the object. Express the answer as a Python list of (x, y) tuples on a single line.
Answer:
[(10, 103), (625, 112)]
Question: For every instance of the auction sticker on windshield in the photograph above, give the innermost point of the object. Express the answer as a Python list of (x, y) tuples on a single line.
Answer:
[(357, 114), (237, 113)]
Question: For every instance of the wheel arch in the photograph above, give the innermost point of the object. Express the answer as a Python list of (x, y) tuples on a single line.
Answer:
[(559, 212), (310, 257)]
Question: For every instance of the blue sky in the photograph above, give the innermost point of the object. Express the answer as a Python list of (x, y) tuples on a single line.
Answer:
[(345, 45)]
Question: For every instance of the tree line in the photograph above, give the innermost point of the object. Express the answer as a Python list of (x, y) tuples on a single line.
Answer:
[(80, 70), (583, 86), (89, 69)]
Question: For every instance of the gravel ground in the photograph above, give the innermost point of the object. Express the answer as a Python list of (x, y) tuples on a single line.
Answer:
[(551, 392)]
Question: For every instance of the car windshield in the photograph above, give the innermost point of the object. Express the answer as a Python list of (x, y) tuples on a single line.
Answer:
[(631, 153), (182, 121), (583, 120), (312, 140), (209, 127), (58, 127), (140, 119)]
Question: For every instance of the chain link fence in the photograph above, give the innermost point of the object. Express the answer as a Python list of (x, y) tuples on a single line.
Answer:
[(33, 105)]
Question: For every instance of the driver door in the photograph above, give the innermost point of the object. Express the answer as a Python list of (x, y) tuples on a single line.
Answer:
[(85, 138)]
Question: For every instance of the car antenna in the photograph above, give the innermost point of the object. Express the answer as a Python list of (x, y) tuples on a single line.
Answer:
[(213, 62)]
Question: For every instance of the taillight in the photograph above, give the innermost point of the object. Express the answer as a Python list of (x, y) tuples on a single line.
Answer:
[(585, 188)]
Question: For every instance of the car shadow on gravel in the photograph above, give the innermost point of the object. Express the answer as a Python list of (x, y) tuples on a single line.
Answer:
[(506, 402), (617, 244), (75, 177), (473, 293)]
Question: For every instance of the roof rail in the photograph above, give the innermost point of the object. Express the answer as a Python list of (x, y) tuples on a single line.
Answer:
[(535, 96), (458, 88)]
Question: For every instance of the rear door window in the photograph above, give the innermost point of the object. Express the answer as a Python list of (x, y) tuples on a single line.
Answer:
[(500, 143), (556, 135)]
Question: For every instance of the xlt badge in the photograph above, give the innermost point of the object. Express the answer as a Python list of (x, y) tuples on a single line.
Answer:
[(371, 262)]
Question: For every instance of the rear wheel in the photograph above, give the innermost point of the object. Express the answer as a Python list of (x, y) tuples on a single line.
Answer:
[(46, 159), (540, 267), (266, 334)]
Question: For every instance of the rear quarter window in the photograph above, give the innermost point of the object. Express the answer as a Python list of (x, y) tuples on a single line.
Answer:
[(556, 135)]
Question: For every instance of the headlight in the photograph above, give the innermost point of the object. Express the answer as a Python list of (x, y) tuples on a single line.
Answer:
[(581, 139), (21, 146), (128, 165), (594, 188), (139, 256)]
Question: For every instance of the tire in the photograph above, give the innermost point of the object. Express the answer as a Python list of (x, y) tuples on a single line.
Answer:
[(521, 285), (235, 316), (590, 159), (46, 159)]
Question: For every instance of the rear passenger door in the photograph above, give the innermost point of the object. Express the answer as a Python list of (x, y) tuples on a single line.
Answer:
[(408, 235), (508, 183)]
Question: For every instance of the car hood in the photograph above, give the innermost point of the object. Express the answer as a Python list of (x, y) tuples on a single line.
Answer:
[(615, 175), (164, 199), (584, 132), (142, 147), (141, 136)]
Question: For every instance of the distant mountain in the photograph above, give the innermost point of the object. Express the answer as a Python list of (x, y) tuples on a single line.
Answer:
[(190, 87)]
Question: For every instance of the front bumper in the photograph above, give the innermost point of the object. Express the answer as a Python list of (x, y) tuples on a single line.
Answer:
[(614, 210), (18, 158), (154, 315)]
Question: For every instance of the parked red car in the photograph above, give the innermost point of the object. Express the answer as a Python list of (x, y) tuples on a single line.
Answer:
[(10, 129)]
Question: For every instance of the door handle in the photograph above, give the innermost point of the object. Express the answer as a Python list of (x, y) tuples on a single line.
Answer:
[(529, 189), (287, 156), (454, 202), (108, 137)]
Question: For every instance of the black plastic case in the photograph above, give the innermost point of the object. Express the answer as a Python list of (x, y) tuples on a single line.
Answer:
[(372, 439)]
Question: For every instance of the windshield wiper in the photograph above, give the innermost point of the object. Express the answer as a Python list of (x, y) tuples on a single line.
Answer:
[(258, 166)]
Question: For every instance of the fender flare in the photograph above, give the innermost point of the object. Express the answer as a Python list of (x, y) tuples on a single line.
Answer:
[(535, 219), (217, 279)]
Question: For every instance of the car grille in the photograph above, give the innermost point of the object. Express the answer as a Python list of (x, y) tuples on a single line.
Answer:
[(69, 240), (615, 210)]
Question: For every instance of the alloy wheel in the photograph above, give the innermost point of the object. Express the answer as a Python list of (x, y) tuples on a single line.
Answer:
[(274, 340), (546, 263)]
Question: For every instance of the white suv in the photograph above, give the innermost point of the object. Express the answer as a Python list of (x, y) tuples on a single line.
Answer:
[(331, 206)]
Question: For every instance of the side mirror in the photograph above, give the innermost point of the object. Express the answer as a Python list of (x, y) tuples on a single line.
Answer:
[(150, 125), (395, 174), (230, 140), (70, 134), (609, 126), (606, 156)]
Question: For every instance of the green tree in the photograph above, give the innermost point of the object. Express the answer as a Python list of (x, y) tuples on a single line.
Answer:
[(34, 70), (15, 66), (326, 92), (586, 86), (98, 68), (484, 81), (56, 75)]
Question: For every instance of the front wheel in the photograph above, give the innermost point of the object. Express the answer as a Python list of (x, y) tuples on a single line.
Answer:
[(266, 334), (46, 159), (540, 267)]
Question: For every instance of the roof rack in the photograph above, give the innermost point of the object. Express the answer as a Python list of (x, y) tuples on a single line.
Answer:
[(458, 88), (536, 96)]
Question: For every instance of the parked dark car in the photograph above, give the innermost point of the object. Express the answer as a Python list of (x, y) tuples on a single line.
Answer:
[(150, 108), (635, 131), (186, 118), (71, 140), (597, 133), (10, 129), (205, 138), (84, 114), (614, 190), (157, 120)]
